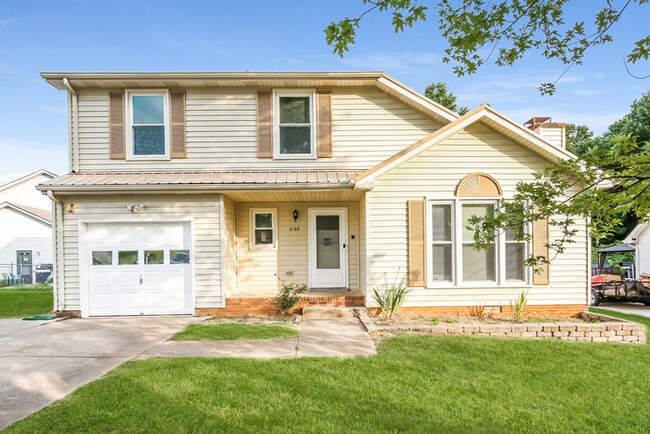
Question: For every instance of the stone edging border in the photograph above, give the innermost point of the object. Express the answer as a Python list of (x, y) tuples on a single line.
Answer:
[(610, 329)]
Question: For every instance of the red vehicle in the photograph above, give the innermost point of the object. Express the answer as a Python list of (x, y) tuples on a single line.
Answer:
[(610, 287)]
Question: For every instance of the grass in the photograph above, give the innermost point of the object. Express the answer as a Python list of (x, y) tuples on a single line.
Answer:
[(433, 384), (234, 331), (22, 301), (630, 317)]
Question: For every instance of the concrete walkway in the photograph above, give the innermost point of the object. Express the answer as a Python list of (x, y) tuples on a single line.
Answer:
[(41, 362), (631, 308), (318, 337)]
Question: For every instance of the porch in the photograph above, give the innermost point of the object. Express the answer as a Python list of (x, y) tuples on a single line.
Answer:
[(249, 303)]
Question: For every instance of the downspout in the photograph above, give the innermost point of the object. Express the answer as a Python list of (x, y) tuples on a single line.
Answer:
[(57, 227), (73, 127)]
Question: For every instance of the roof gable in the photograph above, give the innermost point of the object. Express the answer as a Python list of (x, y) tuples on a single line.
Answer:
[(483, 114), (38, 214), (26, 179)]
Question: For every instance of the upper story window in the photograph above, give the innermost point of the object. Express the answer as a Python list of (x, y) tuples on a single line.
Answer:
[(148, 124), (294, 125)]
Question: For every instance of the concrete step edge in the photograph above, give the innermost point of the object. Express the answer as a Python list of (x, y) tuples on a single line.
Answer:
[(331, 312)]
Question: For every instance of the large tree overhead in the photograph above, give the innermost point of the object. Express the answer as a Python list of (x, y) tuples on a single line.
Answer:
[(503, 31), (439, 93)]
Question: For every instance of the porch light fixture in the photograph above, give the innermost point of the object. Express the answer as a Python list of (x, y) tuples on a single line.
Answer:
[(295, 215)]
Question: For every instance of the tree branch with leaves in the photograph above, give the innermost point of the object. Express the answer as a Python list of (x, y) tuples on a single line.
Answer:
[(503, 31)]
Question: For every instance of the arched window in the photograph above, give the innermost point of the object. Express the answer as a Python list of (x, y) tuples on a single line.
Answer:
[(478, 185)]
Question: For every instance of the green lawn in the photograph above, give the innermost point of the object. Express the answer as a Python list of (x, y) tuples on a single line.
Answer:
[(449, 384), (234, 331), (22, 301)]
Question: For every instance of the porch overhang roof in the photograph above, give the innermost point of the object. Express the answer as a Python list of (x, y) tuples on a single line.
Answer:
[(203, 181)]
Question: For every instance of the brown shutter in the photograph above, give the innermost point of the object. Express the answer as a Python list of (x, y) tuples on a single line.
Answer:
[(264, 125), (416, 249), (178, 147), (324, 118), (116, 129), (540, 248)]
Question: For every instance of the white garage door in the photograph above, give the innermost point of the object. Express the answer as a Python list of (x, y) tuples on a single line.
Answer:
[(139, 269)]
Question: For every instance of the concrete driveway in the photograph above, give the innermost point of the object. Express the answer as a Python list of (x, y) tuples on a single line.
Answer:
[(630, 308), (42, 361)]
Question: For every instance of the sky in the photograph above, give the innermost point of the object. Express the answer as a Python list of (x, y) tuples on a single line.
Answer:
[(275, 35)]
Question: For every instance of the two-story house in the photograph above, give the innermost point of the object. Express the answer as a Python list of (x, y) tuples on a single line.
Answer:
[(191, 193)]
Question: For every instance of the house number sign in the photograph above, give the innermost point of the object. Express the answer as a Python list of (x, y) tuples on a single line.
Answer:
[(294, 228)]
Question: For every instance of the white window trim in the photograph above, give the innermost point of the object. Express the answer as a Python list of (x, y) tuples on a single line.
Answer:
[(276, 124), (457, 254), (274, 227), (130, 155)]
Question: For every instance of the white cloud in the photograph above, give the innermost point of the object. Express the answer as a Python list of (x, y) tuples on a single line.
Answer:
[(587, 92), (395, 63)]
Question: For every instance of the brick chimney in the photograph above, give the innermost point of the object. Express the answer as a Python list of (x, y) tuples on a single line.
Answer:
[(552, 132)]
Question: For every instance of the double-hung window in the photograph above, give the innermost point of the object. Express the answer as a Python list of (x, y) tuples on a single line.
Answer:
[(294, 125), (148, 124), (453, 259), (263, 227)]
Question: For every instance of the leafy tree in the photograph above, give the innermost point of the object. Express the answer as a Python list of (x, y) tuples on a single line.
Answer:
[(604, 186), (501, 31), (578, 138), (636, 123), (439, 93)]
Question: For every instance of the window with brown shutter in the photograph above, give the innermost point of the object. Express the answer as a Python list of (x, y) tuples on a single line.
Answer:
[(116, 130), (324, 116), (264, 125), (416, 247), (541, 275), (178, 146)]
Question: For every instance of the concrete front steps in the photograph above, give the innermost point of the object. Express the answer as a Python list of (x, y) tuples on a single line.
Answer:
[(269, 306)]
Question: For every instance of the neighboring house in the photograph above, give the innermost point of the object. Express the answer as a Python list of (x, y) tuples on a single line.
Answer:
[(25, 226), (188, 192), (639, 237)]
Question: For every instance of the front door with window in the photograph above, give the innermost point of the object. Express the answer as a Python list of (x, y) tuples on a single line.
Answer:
[(24, 265), (328, 248)]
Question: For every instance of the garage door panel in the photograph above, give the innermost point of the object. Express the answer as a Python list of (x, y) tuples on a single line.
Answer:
[(148, 281)]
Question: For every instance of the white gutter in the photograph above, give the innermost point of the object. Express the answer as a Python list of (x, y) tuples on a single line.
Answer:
[(57, 227), (73, 126)]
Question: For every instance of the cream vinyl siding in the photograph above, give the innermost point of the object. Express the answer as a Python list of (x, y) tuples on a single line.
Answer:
[(434, 174), (229, 231), (368, 126), (202, 210), (257, 265)]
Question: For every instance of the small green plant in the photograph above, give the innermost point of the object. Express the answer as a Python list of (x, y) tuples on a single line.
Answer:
[(289, 294), (435, 320), (391, 300), (518, 305)]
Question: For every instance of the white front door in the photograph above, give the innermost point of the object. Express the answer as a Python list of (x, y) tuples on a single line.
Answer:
[(328, 248)]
